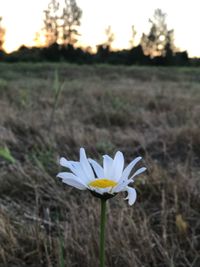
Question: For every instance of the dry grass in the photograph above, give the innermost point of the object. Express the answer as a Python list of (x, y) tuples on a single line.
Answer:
[(141, 111)]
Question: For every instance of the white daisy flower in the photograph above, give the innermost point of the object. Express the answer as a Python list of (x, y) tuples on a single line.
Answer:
[(103, 182)]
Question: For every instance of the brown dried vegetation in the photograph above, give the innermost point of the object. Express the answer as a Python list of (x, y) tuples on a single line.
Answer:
[(141, 111)]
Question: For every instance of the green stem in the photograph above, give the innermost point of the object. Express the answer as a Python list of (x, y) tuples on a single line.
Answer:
[(102, 232)]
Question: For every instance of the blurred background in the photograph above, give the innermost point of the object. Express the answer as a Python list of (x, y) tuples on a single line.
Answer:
[(100, 31), (106, 76)]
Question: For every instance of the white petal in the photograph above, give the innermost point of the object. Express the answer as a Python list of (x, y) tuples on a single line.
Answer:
[(138, 172), (131, 195), (77, 169), (64, 162), (121, 186), (68, 164), (74, 167), (66, 175), (74, 183), (122, 183), (107, 166), (129, 168), (85, 165), (97, 168), (118, 165)]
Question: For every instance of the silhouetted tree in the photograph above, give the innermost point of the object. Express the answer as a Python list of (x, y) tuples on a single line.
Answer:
[(158, 39), (104, 50), (51, 26), (110, 37), (51, 53), (102, 53), (133, 34), (71, 16), (169, 48), (181, 58), (61, 22), (136, 56), (2, 35)]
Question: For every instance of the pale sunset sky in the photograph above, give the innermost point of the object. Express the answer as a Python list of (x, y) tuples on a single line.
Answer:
[(23, 18)]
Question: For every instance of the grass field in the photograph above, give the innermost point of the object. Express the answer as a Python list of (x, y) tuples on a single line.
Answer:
[(147, 111)]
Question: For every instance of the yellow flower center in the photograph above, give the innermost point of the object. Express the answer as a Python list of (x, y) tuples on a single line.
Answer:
[(102, 183)]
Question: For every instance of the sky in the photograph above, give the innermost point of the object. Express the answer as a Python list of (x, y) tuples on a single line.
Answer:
[(23, 18)]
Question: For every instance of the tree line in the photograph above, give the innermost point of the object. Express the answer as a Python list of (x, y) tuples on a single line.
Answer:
[(60, 33)]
